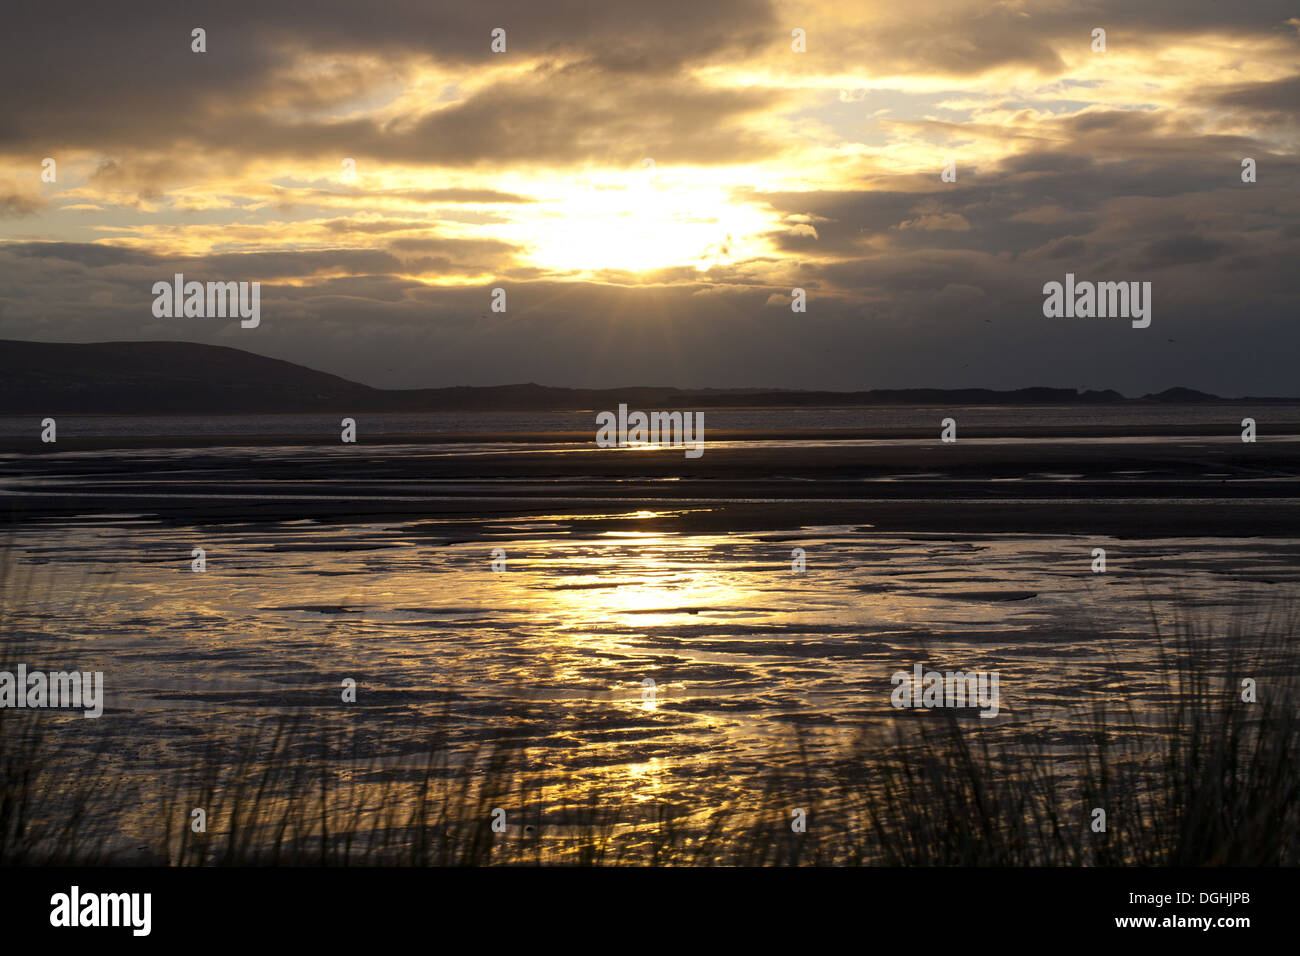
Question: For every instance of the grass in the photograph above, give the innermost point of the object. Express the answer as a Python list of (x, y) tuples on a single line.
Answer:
[(1187, 772), (49, 797)]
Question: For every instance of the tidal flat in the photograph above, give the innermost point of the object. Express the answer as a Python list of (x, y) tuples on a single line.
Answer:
[(645, 634)]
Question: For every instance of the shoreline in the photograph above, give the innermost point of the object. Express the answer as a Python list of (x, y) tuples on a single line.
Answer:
[(32, 444), (1130, 488)]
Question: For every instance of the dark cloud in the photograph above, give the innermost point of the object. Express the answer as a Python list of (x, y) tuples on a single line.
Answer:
[(1280, 96), (92, 78), (93, 255), (14, 205), (1069, 247), (911, 281), (460, 195), (271, 264), (373, 226), (1180, 250), (940, 314)]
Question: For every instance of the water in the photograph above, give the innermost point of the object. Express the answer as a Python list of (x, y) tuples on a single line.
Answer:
[(557, 647), (605, 588), (883, 417)]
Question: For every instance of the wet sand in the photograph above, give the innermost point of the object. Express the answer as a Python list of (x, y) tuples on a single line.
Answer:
[(374, 562), (31, 444), (1134, 486)]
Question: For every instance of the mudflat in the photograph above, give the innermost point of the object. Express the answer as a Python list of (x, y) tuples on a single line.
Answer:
[(1136, 485)]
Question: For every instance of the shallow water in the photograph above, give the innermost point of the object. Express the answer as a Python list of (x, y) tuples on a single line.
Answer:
[(374, 563), (1224, 417), (555, 649)]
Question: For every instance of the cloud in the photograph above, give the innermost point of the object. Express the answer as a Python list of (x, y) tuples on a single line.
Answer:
[(1181, 250), (952, 221), (14, 205), (772, 170)]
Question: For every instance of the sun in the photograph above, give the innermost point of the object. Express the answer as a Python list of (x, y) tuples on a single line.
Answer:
[(642, 224)]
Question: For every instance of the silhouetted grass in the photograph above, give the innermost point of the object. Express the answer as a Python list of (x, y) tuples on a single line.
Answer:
[(1202, 777), (1192, 776), (50, 794)]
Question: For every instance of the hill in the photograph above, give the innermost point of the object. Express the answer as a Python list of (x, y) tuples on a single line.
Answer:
[(50, 378)]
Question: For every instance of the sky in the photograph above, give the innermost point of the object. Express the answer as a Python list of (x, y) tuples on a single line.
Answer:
[(648, 182)]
